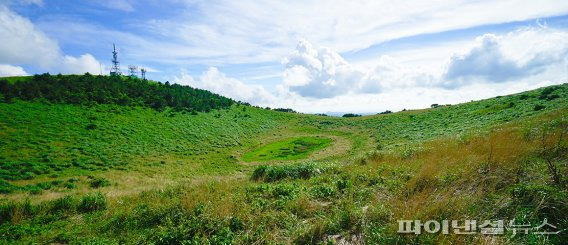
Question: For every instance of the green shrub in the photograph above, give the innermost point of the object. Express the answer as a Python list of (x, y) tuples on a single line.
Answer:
[(99, 182), (343, 183), (322, 191), (44, 185), (285, 190), (7, 211), (539, 107), (6, 188), (91, 126), (35, 190), (69, 185), (64, 204), (94, 202), (294, 171)]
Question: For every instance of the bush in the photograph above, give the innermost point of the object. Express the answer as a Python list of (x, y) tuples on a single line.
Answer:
[(70, 185), (6, 188), (99, 182), (64, 204), (95, 202), (351, 115), (539, 107), (294, 171), (91, 126), (7, 211), (322, 191)]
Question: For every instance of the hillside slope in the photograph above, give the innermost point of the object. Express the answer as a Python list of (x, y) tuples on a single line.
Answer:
[(110, 172)]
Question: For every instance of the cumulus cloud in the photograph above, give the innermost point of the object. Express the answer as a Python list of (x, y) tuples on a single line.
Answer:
[(24, 44), (537, 54), (79, 65), (319, 73), (486, 62), (217, 82), (10, 70), (323, 73), (517, 55)]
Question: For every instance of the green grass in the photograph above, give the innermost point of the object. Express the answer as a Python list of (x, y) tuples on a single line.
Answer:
[(289, 149)]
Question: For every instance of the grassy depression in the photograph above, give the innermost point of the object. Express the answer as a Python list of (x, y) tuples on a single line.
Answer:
[(288, 149)]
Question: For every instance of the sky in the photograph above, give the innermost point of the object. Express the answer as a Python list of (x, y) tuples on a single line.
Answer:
[(314, 56)]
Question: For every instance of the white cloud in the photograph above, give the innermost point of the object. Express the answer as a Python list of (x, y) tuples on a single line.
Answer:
[(520, 54), (83, 64), (24, 44), (217, 82), (319, 73), (22, 2), (256, 31), (407, 98), (10, 70), (318, 79), (122, 5), (537, 54), (323, 73)]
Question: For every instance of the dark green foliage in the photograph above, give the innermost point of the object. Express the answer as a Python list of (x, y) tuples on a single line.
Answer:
[(343, 183), (351, 115), (6, 187), (322, 191), (532, 203), (271, 173), (89, 89), (284, 110), (99, 182), (91, 126), (94, 202), (539, 107), (18, 171), (66, 204), (385, 112)]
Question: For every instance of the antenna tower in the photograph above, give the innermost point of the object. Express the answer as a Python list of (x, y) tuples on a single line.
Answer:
[(143, 73), (133, 71), (115, 70)]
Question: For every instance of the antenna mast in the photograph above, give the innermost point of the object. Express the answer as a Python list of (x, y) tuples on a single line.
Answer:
[(115, 70), (143, 73), (133, 71)]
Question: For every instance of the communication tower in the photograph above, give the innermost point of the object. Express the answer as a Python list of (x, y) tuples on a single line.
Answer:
[(133, 71), (143, 73), (115, 69)]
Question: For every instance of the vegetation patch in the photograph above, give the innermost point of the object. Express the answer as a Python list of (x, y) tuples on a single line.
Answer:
[(289, 149), (269, 173)]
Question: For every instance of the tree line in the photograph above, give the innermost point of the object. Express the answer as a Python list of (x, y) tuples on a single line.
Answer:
[(88, 89)]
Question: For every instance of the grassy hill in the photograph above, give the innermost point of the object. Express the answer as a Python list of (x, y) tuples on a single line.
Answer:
[(133, 172)]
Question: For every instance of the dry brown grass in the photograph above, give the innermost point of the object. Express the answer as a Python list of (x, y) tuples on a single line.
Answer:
[(449, 175)]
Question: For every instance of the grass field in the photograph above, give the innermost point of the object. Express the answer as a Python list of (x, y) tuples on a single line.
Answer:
[(288, 149), (121, 174)]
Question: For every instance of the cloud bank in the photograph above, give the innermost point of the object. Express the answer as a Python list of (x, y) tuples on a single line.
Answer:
[(217, 82), (23, 44), (528, 53)]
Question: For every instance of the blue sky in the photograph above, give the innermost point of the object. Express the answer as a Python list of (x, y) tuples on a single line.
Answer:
[(312, 56)]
